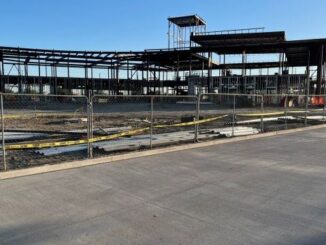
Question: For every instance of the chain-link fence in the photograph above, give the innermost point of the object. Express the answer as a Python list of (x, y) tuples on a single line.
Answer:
[(48, 129), (129, 123), (174, 120), (39, 130), (229, 115), (120, 124), (292, 111), (316, 110)]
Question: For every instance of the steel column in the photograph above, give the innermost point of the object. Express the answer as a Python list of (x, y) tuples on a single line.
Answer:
[(308, 89), (152, 122), (197, 116)]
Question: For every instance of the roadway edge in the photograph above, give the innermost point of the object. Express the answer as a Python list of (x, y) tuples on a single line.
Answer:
[(115, 158)]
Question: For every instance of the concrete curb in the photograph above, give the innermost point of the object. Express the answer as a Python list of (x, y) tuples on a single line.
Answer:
[(115, 158)]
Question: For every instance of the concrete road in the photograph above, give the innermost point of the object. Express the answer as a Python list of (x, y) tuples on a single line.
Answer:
[(265, 191)]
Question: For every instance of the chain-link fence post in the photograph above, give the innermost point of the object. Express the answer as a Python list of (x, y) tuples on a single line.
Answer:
[(324, 109), (233, 116), (306, 111), (152, 122), (197, 116), (262, 114), (3, 135), (286, 103), (89, 126)]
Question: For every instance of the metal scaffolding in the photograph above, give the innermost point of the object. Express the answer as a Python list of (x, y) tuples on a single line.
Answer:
[(195, 61)]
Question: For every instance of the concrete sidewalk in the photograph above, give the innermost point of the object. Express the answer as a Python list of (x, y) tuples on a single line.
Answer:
[(265, 191)]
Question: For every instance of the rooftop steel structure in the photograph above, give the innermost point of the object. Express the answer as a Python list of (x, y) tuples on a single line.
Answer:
[(202, 60)]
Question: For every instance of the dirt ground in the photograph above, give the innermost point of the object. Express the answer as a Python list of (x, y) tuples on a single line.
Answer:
[(70, 122)]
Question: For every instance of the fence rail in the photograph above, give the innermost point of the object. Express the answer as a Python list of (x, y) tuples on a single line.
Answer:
[(48, 129)]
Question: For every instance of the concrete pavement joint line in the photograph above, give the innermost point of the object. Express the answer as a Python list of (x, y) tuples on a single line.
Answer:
[(115, 158)]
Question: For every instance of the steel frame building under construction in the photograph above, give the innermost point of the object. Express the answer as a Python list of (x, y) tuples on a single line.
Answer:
[(248, 61)]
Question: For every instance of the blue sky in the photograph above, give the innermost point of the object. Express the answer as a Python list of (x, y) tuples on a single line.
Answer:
[(140, 24)]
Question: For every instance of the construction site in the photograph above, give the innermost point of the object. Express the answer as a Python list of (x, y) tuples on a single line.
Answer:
[(64, 105), (246, 61), (133, 122)]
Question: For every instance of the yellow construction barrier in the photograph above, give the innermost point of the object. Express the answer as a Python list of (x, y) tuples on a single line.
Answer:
[(134, 131), (277, 113), (261, 114), (103, 138), (78, 113), (38, 115), (191, 123)]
